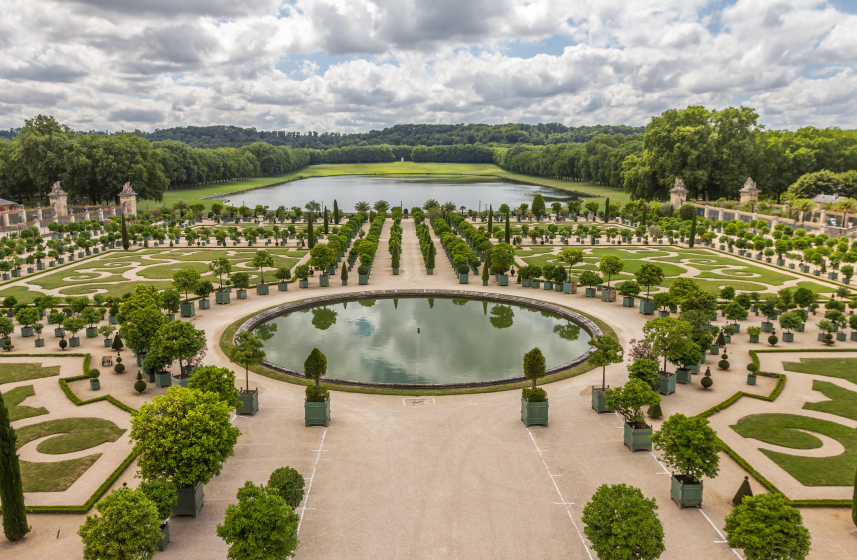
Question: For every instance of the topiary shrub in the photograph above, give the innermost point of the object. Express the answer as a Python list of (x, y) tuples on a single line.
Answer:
[(463, 269), (706, 381), (139, 385), (316, 394), (534, 395), (7, 345), (655, 411), (287, 483), (119, 367), (94, 373), (63, 343), (724, 362), (772, 340), (363, 270)]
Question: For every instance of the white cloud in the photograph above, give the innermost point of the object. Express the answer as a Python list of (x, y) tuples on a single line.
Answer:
[(124, 64)]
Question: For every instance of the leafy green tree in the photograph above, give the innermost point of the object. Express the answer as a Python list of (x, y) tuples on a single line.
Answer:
[(261, 526), (647, 371), (178, 340), (127, 528), (649, 275), (811, 184), (247, 351), (321, 257), (589, 278), (219, 267), (666, 335), (162, 493), (288, 484), (261, 260), (534, 365), (570, 257), (241, 280), (185, 280), (315, 366), (766, 527), (217, 380), (184, 436), (607, 351), (11, 488), (502, 258), (628, 401), (622, 524), (538, 207), (610, 265), (689, 445), (27, 316)]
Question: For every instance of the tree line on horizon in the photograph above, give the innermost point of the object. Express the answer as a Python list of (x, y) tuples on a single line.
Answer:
[(714, 152)]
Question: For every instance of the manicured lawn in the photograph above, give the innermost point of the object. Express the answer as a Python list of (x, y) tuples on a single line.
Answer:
[(73, 434), (843, 368), (817, 288), (393, 168), (842, 401), (9, 373), (54, 476), (785, 430), (22, 293), (17, 411), (115, 290), (714, 286)]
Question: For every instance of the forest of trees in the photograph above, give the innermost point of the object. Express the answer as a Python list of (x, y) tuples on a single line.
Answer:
[(712, 151), (399, 135)]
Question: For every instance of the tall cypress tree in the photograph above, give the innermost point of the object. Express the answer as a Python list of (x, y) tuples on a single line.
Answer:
[(335, 212), (643, 220), (125, 243), (11, 489), (508, 230), (607, 210), (692, 230), (325, 221), (310, 234), (490, 220)]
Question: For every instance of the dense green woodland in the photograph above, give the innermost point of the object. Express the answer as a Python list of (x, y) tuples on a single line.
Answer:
[(712, 151), (399, 135)]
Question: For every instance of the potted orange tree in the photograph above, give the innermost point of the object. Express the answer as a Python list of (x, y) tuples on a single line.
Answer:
[(628, 402), (534, 400), (317, 403), (689, 446)]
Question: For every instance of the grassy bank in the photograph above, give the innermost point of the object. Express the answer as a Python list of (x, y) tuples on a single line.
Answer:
[(393, 168)]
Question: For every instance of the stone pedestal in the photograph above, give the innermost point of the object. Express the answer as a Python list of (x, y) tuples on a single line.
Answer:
[(59, 200), (678, 194), (749, 193), (128, 200)]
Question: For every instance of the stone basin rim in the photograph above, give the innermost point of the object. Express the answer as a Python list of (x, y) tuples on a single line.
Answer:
[(587, 324)]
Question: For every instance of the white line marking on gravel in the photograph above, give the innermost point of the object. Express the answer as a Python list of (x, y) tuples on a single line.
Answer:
[(309, 488), (562, 500)]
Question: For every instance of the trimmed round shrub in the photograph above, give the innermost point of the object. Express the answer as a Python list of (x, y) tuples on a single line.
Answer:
[(772, 340), (139, 385), (94, 373), (119, 368), (63, 343), (752, 368), (706, 381), (287, 483), (363, 270), (463, 269)]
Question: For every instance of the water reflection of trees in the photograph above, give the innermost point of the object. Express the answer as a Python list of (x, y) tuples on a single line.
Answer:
[(569, 331), (501, 316), (266, 331), (323, 318), (367, 302), (457, 301)]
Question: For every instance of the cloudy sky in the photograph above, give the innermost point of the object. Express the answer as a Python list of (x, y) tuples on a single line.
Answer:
[(355, 65)]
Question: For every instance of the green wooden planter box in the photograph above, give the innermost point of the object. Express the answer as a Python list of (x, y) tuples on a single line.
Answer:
[(751, 380), (429, 271), (534, 413), (840, 336), (683, 376), (188, 309), (647, 307), (754, 338), (165, 536), (663, 314), (685, 494), (767, 326), (261, 289), (526, 282), (628, 301), (163, 379), (249, 403), (788, 337), (324, 280), (535, 284), (638, 439), (503, 279), (282, 286), (26, 331), (94, 384), (589, 292), (548, 286), (317, 413), (362, 279), (40, 343), (108, 342), (74, 342), (303, 283), (179, 381), (205, 304), (599, 401), (242, 294), (667, 384), (463, 278), (715, 350), (221, 298), (189, 499), (91, 332)]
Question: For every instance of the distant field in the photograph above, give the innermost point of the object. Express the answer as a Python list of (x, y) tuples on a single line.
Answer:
[(393, 168)]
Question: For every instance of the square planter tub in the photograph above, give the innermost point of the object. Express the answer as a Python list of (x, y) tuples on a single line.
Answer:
[(638, 439), (684, 492), (599, 401), (667, 383), (249, 403), (189, 499), (317, 413), (534, 413)]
